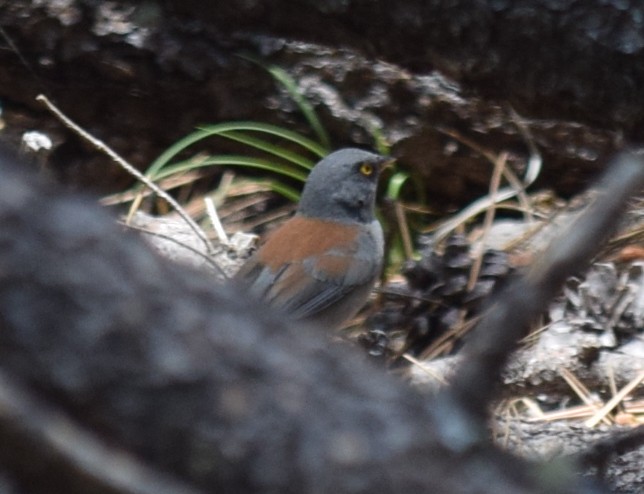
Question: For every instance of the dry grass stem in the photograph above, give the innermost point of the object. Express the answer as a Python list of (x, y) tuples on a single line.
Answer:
[(570, 413), (516, 189), (582, 392), (426, 369), (404, 230), (446, 340), (615, 400), (165, 184), (499, 166), (216, 222)]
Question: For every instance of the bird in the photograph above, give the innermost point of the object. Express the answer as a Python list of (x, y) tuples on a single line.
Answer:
[(320, 266)]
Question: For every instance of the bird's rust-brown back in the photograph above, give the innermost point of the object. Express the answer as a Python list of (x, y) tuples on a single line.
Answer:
[(302, 237)]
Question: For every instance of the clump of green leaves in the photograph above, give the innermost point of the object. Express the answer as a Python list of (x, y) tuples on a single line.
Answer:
[(281, 161), (288, 154)]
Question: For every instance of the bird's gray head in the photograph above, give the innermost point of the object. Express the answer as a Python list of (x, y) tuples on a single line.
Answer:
[(342, 187)]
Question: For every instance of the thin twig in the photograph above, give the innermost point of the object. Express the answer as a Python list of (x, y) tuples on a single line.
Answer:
[(101, 146), (447, 339), (582, 392), (534, 163), (499, 165), (208, 259), (525, 202), (615, 400), (517, 188)]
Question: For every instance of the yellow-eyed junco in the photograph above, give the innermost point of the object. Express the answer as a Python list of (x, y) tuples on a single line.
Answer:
[(320, 265)]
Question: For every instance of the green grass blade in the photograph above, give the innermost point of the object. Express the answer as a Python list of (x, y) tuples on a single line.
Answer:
[(226, 128), (395, 184), (285, 79), (270, 148), (381, 144), (268, 184), (303, 104), (232, 160), (287, 135), (172, 151), (284, 190)]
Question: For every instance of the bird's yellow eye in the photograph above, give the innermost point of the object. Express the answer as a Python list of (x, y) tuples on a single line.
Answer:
[(366, 169)]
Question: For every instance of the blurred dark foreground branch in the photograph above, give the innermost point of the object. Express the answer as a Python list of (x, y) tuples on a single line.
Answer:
[(198, 384), (522, 301)]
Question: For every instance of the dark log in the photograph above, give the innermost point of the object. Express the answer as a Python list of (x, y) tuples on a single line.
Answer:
[(574, 59), (155, 70)]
